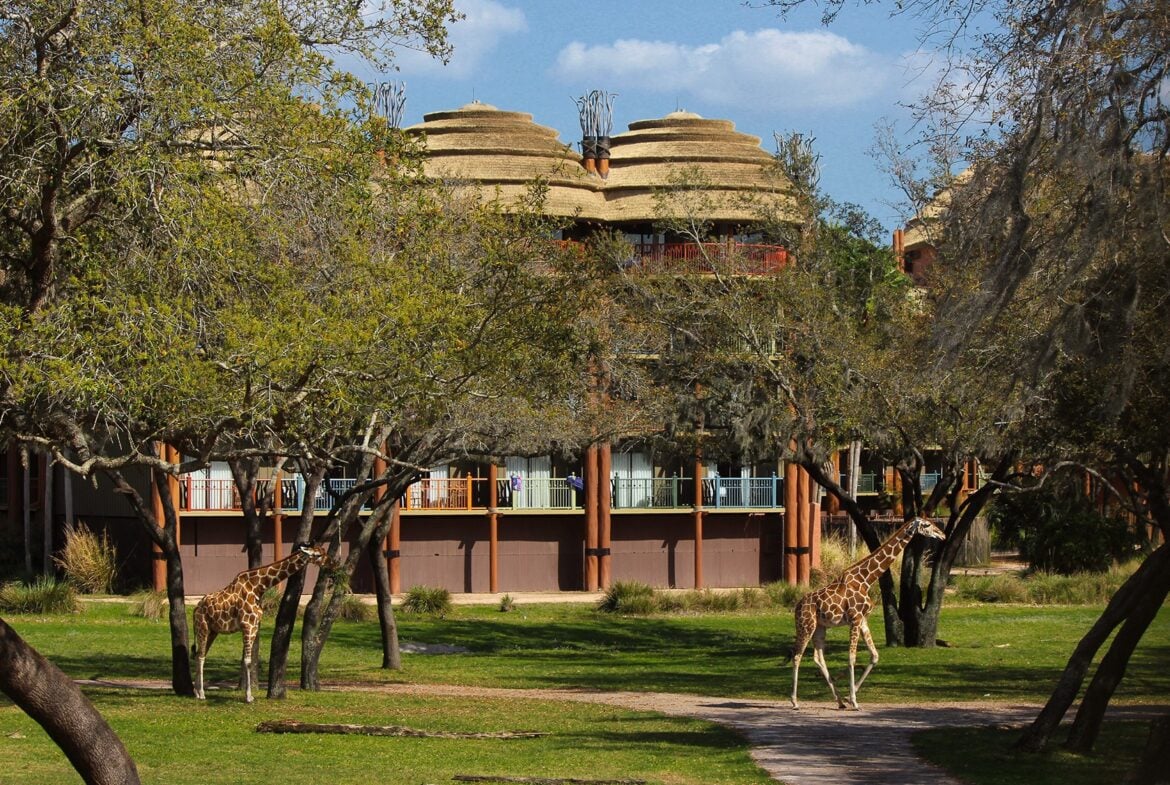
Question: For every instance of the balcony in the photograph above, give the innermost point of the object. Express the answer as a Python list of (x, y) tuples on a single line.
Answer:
[(512, 493), (706, 258)]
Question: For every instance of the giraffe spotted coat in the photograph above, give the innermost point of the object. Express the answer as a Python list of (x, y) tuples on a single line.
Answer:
[(846, 601)]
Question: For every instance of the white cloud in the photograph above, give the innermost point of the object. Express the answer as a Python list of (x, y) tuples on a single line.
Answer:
[(764, 68), (485, 25)]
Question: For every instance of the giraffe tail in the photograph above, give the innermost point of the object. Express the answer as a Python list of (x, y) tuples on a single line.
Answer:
[(790, 654)]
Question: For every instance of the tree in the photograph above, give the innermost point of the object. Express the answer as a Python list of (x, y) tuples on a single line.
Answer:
[(1056, 245), (53, 700), (143, 152)]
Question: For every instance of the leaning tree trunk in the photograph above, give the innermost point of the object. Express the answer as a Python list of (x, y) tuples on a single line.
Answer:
[(1117, 610), (51, 698), (286, 615), (391, 655), (1087, 725), (164, 537), (245, 472)]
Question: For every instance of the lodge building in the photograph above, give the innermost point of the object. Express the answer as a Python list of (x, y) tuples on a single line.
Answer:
[(535, 523)]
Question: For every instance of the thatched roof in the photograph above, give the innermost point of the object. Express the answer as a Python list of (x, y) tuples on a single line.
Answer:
[(504, 152)]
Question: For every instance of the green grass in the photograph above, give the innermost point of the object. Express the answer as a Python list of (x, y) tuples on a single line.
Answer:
[(179, 742), (984, 756), (995, 652)]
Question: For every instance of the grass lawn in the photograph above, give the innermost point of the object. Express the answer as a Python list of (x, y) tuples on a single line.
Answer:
[(995, 652)]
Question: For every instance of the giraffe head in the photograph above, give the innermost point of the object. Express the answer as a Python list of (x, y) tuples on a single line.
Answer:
[(316, 555), (926, 529)]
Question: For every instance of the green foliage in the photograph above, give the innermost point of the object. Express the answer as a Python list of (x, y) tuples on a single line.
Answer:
[(427, 601), (151, 605), (507, 603), (353, 609), (629, 597), (90, 562), (783, 594), (1044, 588), (45, 595), (1058, 530)]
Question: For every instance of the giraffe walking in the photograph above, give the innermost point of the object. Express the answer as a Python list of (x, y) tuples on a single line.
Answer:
[(846, 601), (236, 607)]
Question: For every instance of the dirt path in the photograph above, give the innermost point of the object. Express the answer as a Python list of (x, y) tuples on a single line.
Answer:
[(818, 745)]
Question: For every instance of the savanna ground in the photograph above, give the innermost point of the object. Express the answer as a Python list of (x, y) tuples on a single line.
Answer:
[(995, 653)]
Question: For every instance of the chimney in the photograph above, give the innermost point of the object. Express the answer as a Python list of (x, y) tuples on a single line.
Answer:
[(596, 113)]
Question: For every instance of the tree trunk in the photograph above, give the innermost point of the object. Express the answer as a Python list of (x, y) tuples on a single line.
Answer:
[(391, 655), (164, 537), (286, 615), (1087, 725), (890, 617), (51, 698), (244, 474), (1118, 609)]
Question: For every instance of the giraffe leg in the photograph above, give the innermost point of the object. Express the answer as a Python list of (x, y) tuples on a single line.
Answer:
[(250, 632), (203, 640), (819, 659), (797, 653), (854, 632), (873, 652)]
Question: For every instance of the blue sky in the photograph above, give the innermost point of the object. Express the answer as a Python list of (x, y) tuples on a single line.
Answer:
[(719, 58)]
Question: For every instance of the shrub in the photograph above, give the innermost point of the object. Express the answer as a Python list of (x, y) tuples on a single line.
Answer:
[(45, 595), (507, 603), (150, 605), (784, 594), (1058, 530), (425, 600), (353, 609), (834, 559), (88, 561), (633, 597), (991, 588)]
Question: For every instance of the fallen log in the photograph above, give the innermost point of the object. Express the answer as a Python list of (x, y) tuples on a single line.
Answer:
[(294, 726)]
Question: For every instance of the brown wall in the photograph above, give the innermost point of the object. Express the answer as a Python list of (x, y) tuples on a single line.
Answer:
[(537, 552)]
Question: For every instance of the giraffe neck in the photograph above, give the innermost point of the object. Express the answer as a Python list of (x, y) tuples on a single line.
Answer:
[(274, 573), (871, 567)]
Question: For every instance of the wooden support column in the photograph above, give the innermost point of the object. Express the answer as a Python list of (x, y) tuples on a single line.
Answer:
[(591, 535), (791, 539), (394, 548), (158, 559), (493, 529), (173, 457), (604, 519), (698, 515), (278, 516), (802, 527), (814, 523)]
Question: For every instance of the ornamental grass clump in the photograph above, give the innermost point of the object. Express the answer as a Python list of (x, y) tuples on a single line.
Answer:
[(352, 608), (89, 562), (427, 601), (629, 597), (151, 605), (45, 595)]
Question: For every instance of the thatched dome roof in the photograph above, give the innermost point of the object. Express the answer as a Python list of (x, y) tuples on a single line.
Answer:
[(504, 152), (735, 172)]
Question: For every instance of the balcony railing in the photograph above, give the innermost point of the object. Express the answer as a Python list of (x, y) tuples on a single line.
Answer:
[(705, 258), (866, 483), (519, 493)]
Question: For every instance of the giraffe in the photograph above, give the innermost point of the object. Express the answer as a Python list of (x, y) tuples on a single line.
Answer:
[(237, 607), (846, 601)]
